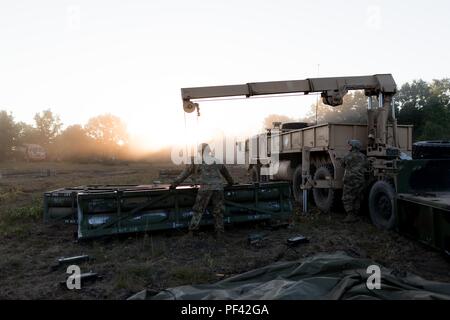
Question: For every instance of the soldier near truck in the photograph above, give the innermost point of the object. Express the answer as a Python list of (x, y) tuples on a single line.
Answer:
[(209, 174), (355, 164)]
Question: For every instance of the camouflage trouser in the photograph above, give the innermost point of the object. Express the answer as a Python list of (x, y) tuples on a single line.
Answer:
[(204, 197), (352, 195)]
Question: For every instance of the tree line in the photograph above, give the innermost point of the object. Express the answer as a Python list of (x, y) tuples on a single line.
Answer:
[(104, 137), (425, 105)]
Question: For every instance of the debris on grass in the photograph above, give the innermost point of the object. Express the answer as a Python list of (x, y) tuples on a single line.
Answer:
[(84, 278), (297, 240), (70, 260)]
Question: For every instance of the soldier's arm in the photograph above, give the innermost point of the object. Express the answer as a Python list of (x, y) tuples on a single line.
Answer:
[(226, 174), (344, 161), (366, 163), (183, 175)]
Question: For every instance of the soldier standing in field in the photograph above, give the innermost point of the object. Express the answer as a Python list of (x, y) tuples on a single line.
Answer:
[(355, 164), (211, 189)]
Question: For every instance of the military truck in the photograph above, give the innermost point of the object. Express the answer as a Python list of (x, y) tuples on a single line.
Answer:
[(402, 193), (326, 145)]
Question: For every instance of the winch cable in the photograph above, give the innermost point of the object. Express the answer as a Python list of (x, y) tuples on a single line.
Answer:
[(185, 135), (186, 131), (286, 95), (198, 126)]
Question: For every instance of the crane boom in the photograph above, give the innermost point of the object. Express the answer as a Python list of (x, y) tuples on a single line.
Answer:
[(332, 89)]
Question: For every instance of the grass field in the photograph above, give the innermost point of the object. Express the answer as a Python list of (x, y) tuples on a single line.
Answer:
[(28, 247)]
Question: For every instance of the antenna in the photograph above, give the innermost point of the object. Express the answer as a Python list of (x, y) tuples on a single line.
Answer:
[(317, 98)]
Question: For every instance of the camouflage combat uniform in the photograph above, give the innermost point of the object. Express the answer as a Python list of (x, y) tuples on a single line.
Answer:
[(355, 164), (210, 191)]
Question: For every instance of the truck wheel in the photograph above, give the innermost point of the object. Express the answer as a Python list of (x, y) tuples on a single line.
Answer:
[(382, 205), (296, 185), (325, 199)]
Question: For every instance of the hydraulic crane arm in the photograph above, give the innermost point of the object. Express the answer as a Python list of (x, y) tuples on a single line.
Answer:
[(332, 89)]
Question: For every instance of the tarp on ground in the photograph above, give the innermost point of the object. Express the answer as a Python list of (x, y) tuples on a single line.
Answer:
[(324, 276)]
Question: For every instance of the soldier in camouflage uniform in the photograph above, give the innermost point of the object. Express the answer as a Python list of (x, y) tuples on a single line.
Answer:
[(211, 189), (355, 164)]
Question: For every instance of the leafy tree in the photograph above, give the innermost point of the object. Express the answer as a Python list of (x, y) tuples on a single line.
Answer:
[(8, 134), (353, 110), (410, 102), (26, 134), (437, 112), (48, 125), (109, 132), (73, 143), (427, 107)]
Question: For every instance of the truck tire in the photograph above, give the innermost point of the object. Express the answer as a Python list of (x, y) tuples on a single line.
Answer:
[(296, 185), (431, 150), (325, 199), (382, 205)]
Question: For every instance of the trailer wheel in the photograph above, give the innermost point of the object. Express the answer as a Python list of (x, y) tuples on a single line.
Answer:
[(296, 185), (325, 199), (382, 205)]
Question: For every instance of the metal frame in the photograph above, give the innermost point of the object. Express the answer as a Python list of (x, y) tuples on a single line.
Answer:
[(132, 209)]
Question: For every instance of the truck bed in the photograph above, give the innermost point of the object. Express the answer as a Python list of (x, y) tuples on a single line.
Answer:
[(335, 136)]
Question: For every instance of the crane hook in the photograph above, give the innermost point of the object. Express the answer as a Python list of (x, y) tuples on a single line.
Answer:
[(189, 107)]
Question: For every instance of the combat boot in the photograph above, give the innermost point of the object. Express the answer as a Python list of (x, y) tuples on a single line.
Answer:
[(193, 234), (219, 235), (189, 235), (351, 218)]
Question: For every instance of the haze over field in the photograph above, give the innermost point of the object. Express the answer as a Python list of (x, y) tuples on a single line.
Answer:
[(130, 58)]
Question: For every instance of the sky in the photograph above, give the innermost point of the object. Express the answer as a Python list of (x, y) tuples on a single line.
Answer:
[(130, 58)]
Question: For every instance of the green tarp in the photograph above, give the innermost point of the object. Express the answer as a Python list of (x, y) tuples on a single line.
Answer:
[(324, 276)]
